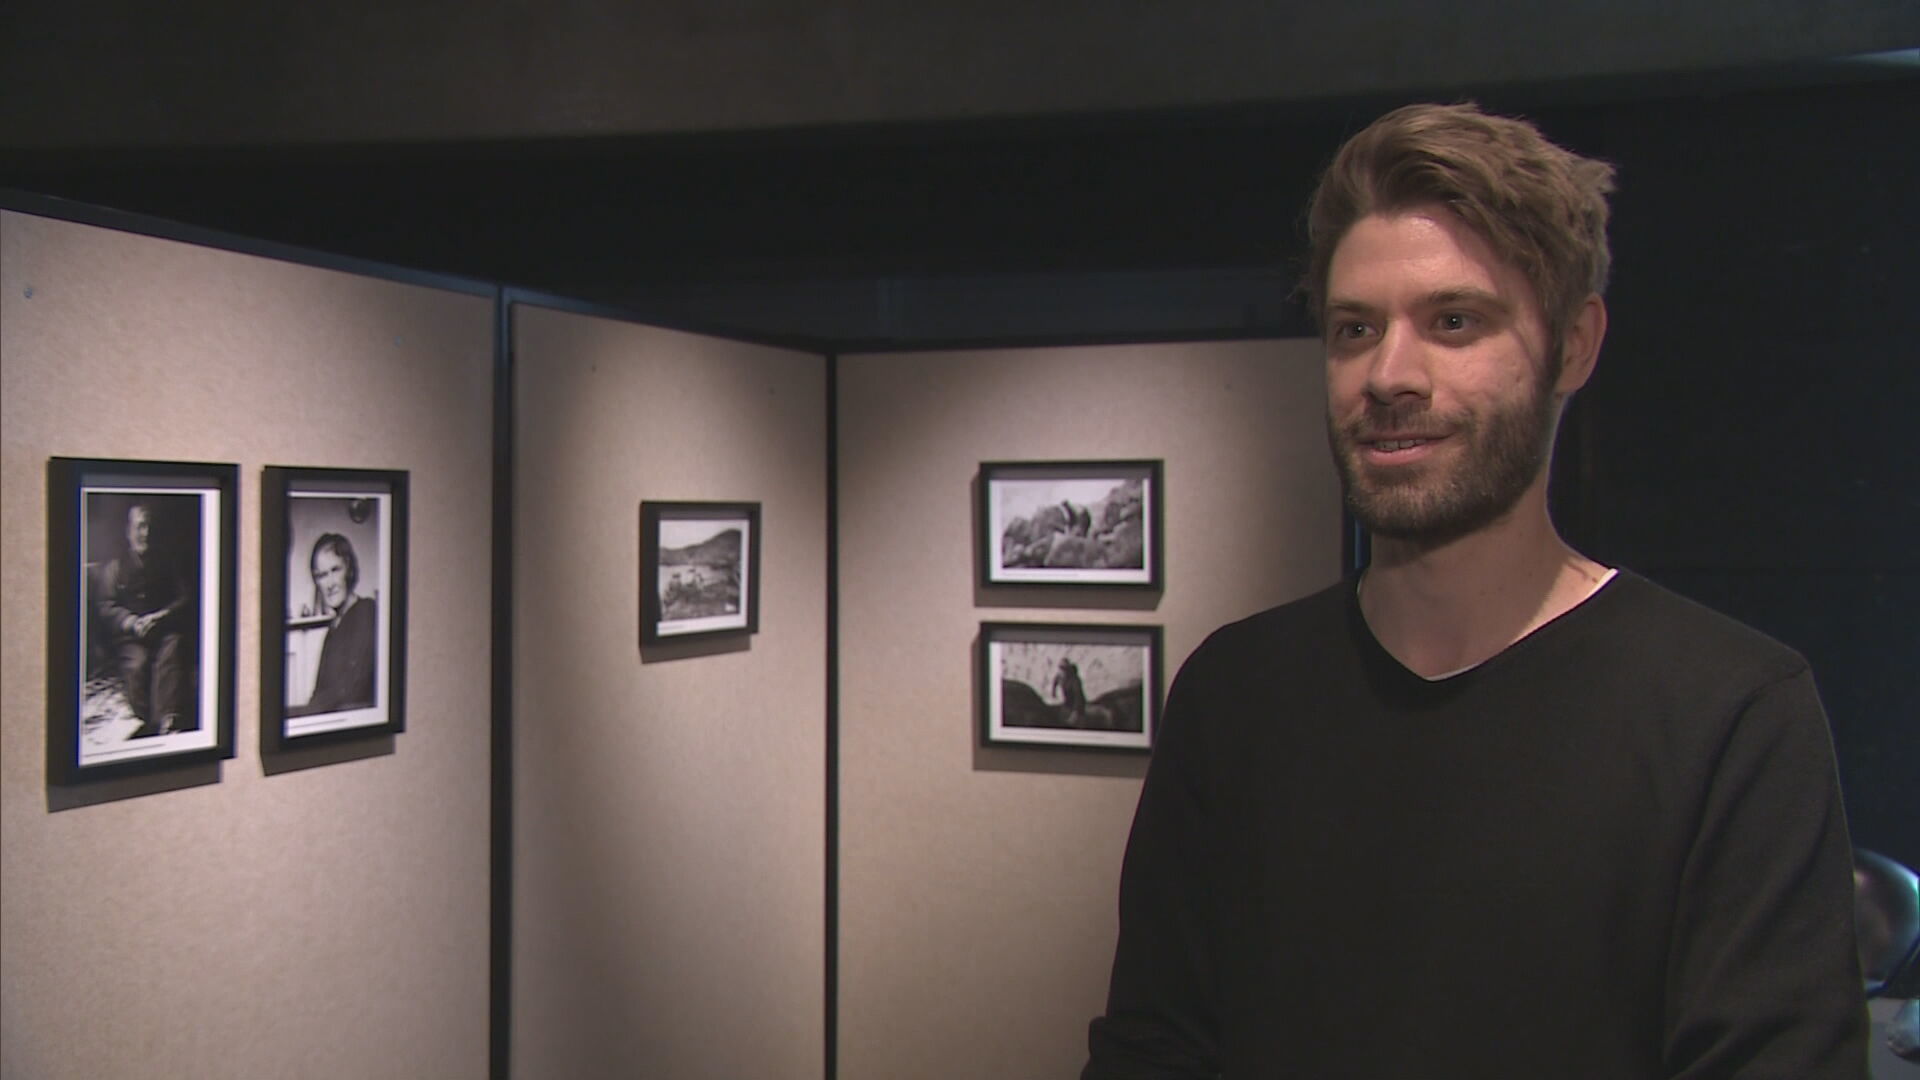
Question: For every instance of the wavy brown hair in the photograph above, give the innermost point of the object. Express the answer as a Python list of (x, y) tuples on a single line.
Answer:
[(1541, 207)]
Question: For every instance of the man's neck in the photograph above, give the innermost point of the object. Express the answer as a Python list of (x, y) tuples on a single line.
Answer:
[(1450, 607)]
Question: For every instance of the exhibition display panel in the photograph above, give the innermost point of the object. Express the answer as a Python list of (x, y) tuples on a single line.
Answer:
[(799, 739)]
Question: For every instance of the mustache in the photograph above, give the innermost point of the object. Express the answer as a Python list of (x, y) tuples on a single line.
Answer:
[(1388, 418)]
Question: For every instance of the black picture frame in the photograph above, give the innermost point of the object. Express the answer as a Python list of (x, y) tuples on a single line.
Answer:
[(142, 574), (699, 570), (1075, 524), (333, 604), (1106, 673)]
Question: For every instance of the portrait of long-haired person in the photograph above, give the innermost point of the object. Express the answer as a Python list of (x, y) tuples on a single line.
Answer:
[(345, 676)]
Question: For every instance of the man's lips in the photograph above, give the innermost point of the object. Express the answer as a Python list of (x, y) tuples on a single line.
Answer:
[(1404, 443), (1397, 440), (1398, 448)]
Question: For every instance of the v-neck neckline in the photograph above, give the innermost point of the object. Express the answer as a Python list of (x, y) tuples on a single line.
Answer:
[(1463, 676)]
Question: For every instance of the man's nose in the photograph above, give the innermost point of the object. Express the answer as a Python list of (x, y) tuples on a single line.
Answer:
[(1398, 365)]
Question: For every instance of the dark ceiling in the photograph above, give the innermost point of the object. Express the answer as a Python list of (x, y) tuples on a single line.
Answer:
[(1008, 196)]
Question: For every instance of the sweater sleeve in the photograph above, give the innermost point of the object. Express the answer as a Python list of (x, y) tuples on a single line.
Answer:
[(1161, 1017), (1763, 978)]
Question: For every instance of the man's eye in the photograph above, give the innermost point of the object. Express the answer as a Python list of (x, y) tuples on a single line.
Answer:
[(1350, 331), (1455, 321)]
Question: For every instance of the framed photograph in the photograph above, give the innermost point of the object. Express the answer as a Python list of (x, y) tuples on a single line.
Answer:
[(333, 603), (1069, 685), (699, 569), (1070, 523), (141, 573)]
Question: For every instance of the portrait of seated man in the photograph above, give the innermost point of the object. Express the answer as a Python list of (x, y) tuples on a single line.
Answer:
[(142, 606)]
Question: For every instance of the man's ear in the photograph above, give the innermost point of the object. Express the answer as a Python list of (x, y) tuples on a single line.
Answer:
[(1580, 345)]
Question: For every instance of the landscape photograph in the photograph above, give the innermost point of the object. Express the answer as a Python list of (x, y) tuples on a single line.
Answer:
[(1054, 685), (1076, 524), (1069, 685), (699, 570)]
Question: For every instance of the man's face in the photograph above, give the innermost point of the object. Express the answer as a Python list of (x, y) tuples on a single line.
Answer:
[(330, 577), (1441, 403), (137, 530)]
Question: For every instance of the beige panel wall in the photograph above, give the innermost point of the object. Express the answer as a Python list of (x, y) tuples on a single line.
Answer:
[(325, 921), (978, 887), (670, 805)]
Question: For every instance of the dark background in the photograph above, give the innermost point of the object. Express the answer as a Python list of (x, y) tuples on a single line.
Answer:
[(857, 175)]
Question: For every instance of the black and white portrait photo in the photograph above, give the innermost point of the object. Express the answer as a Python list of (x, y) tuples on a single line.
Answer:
[(338, 580), (146, 635), (141, 623), (1062, 685), (698, 568), (1071, 523)]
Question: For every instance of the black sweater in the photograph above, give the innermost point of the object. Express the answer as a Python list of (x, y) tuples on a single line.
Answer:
[(1614, 850)]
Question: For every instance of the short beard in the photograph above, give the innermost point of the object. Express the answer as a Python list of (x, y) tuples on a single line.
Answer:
[(1505, 452)]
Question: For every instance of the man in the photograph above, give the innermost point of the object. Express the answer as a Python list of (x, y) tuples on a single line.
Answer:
[(140, 604), (1490, 809), (1073, 693)]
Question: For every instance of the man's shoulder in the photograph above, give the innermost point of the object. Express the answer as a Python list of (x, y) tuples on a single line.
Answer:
[(1655, 609), (1314, 608), (1307, 618), (109, 574), (1652, 619)]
